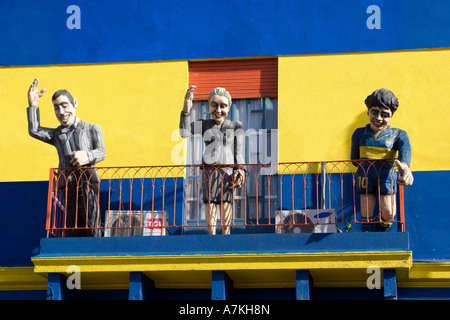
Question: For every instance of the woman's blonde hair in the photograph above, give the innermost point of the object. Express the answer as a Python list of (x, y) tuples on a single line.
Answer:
[(220, 92)]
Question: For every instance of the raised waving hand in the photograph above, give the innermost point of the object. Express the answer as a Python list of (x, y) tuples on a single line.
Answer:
[(34, 95)]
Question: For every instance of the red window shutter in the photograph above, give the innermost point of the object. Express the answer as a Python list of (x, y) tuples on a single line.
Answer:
[(252, 78)]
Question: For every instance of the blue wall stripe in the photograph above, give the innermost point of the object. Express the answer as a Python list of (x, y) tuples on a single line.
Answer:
[(22, 218), (22, 221), (36, 33)]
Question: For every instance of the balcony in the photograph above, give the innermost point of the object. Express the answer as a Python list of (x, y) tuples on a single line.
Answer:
[(151, 224), (166, 200)]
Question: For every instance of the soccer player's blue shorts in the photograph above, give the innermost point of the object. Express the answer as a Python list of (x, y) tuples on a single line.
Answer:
[(367, 180)]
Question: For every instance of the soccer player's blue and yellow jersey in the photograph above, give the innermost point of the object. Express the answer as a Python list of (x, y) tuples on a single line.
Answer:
[(392, 143)]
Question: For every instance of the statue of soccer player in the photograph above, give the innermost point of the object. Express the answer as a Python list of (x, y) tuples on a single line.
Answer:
[(377, 140), (225, 145), (79, 144)]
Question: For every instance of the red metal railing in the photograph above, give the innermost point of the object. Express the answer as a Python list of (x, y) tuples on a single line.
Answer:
[(159, 200)]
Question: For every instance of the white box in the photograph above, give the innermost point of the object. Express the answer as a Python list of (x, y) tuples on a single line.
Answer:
[(319, 221), (153, 223)]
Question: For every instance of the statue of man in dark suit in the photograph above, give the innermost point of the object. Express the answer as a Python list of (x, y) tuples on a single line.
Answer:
[(80, 146)]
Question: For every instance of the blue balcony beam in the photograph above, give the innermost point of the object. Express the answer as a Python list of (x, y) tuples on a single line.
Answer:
[(221, 286), (56, 287), (303, 284), (390, 284), (141, 287)]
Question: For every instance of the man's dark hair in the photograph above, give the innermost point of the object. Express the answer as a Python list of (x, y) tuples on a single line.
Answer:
[(63, 92), (382, 98)]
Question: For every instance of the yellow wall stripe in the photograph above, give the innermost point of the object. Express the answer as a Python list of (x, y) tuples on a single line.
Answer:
[(21, 278), (321, 103), (420, 274), (137, 106)]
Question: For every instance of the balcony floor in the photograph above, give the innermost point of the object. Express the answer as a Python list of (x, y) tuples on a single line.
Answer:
[(251, 260)]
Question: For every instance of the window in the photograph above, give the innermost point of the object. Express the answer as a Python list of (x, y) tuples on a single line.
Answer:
[(259, 117), (253, 85)]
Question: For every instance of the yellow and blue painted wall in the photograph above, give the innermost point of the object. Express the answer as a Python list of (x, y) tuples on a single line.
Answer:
[(127, 63)]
